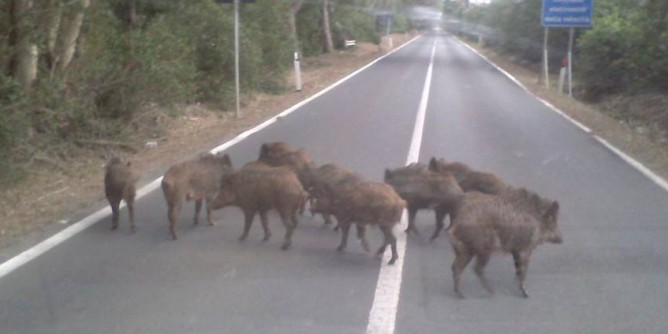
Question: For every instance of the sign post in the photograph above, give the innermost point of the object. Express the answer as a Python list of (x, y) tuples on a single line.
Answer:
[(236, 50), (570, 14)]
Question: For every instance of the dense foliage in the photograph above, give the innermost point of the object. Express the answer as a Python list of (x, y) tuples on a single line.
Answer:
[(98, 64)]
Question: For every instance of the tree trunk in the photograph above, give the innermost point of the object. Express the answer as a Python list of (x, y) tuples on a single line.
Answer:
[(23, 65), (71, 26), (328, 44), (52, 12), (294, 9)]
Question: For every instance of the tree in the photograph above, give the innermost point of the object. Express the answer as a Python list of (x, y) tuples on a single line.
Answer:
[(328, 44)]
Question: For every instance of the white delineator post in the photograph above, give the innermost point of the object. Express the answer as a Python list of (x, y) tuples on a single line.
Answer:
[(298, 73)]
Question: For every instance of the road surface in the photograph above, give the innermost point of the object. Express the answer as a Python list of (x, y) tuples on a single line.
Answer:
[(609, 276)]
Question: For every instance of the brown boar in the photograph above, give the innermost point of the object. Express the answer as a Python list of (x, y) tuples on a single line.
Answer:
[(315, 181), (514, 221), (469, 179), (274, 150), (424, 189), (119, 184), (281, 154), (367, 203), (258, 190), (197, 179)]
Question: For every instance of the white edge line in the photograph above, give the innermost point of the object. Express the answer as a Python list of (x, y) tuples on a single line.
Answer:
[(517, 82), (637, 165), (383, 314), (634, 163), (51, 242)]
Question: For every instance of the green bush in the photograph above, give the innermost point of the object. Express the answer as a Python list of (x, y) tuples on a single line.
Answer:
[(626, 50)]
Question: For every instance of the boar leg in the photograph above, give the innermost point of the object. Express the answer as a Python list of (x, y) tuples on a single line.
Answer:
[(462, 259), (391, 240), (173, 214), (481, 261), (115, 205), (361, 235), (198, 208), (209, 212), (521, 264), (440, 217), (130, 201), (248, 220), (265, 225), (131, 213), (289, 228), (412, 212), (345, 227)]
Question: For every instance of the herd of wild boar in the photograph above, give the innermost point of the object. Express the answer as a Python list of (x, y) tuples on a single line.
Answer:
[(485, 213)]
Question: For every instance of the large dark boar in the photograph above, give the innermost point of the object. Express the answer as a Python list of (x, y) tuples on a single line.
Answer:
[(367, 203), (468, 179), (278, 154), (424, 189), (515, 221), (258, 190), (329, 175), (198, 179), (119, 184)]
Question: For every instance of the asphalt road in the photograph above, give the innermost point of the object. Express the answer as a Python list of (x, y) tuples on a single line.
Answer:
[(609, 276)]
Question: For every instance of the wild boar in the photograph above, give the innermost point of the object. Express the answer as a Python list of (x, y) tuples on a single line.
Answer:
[(367, 203), (315, 181), (281, 154), (197, 179), (119, 184), (258, 190), (469, 179), (514, 221), (274, 150), (424, 189)]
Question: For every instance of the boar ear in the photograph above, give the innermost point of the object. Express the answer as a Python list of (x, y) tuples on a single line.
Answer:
[(552, 210)]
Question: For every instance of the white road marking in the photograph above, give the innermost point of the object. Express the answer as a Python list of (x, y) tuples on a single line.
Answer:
[(631, 161), (46, 245), (383, 315)]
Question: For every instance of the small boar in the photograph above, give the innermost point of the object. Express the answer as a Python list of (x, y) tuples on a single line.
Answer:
[(198, 179), (514, 221), (469, 179), (274, 150), (424, 189), (316, 179), (119, 184), (367, 203), (258, 190)]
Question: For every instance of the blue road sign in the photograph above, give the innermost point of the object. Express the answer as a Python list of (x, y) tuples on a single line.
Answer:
[(567, 13)]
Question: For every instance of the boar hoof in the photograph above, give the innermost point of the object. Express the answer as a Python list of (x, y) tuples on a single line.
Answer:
[(459, 295), (243, 237), (392, 260), (266, 237), (285, 246)]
